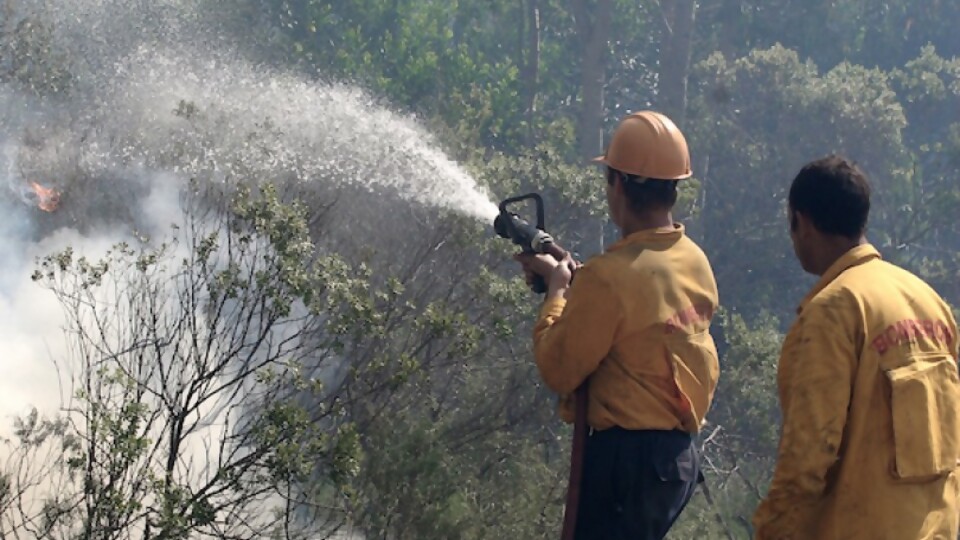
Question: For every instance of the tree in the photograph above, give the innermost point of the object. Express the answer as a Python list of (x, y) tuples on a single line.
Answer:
[(432, 422), (193, 411), (446, 396), (739, 445), (592, 19), (675, 52), (29, 58), (760, 118)]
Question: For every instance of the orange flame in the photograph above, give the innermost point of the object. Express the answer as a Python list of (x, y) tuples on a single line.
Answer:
[(47, 198)]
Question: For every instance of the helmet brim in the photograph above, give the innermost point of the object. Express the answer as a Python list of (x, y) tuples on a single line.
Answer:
[(602, 160)]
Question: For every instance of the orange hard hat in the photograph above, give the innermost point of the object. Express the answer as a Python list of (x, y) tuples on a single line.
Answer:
[(650, 145)]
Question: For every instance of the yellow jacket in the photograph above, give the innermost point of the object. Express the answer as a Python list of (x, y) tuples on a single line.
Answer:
[(636, 322), (869, 393)]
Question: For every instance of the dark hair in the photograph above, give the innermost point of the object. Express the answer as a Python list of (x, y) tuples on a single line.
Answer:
[(834, 194), (645, 193)]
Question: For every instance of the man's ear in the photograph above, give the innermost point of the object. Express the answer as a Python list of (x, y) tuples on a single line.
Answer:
[(618, 183), (801, 224)]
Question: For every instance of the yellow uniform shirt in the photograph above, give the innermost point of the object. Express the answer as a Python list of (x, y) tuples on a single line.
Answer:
[(869, 393), (636, 322)]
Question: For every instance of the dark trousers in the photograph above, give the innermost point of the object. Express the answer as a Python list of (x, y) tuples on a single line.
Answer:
[(635, 483)]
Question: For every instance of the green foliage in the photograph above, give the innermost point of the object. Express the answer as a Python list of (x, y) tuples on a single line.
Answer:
[(29, 57), (411, 406), (212, 340), (761, 118), (739, 444), (347, 455), (746, 404), (419, 489), (431, 54)]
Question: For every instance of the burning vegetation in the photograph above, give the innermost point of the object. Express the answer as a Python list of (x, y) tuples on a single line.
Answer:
[(46, 199)]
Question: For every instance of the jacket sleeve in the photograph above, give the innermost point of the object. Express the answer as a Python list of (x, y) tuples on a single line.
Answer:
[(815, 394), (572, 336)]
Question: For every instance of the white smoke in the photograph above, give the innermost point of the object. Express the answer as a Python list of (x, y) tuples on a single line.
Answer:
[(155, 100), (157, 83), (31, 332), (35, 371), (143, 99), (41, 371)]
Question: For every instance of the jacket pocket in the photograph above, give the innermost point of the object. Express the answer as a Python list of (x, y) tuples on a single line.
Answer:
[(696, 371), (925, 395)]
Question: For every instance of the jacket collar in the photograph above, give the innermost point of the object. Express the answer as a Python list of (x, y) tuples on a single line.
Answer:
[(855, 257), (649, 236)]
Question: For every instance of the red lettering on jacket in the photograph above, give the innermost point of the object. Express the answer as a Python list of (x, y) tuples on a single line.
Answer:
[(945, 332), (688, 316), (910, 330), (880, 344)]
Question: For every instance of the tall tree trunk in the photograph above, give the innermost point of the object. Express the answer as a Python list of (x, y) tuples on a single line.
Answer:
[(593, 22), (679, 17), (531, 66)]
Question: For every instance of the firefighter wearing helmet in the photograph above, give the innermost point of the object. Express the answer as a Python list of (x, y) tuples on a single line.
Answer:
[(634, 327)]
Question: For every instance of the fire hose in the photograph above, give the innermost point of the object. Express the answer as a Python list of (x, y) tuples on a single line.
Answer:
[(532, 238)]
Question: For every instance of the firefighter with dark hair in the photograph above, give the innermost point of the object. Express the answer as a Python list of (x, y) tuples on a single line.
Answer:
[(634, 327), (868, 384)]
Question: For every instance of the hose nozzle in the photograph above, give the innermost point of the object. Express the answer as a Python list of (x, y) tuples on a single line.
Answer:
[(531, 238)]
